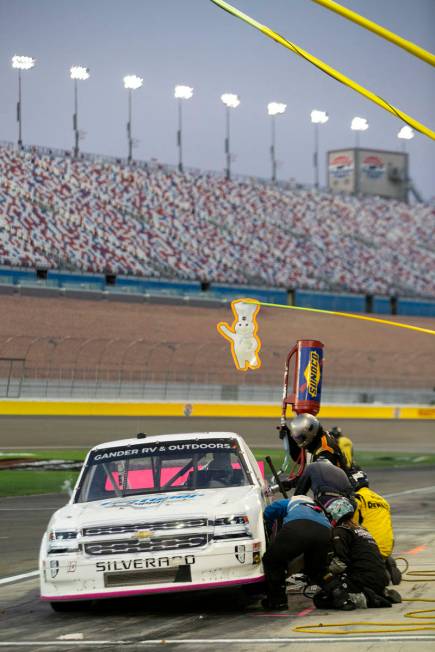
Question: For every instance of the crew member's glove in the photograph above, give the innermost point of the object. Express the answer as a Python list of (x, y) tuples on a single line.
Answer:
[(283, 431), (336, 566), (289, 483)]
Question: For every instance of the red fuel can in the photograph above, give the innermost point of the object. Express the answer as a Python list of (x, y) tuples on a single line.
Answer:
[(305, 393)]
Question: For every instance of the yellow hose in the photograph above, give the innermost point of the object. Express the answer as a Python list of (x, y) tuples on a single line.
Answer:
[(418, 126), (383, 627), (422, 575), (342, 314), (376, 628), (416, 50)]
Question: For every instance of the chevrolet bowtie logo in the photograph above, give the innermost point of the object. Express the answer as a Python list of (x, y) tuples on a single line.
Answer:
[(143, 534)]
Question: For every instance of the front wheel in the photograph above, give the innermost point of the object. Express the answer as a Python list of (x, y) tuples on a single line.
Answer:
[(66, 606)]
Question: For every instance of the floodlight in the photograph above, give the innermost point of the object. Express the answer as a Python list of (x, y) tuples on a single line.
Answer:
[(79, 72), (406, 133), (319, 117), (359, 124), (275, 108), (183, 92), (22, 63), (230, 100), (132, 82)]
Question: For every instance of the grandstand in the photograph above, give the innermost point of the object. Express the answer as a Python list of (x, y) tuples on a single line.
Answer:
[(97, 228), (99, 215)]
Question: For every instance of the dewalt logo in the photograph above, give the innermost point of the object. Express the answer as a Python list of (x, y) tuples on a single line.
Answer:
[(312, 374)]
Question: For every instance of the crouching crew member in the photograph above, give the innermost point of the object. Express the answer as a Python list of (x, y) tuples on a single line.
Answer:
[(358, 577), (306, 530), (373, 513), (325, 480)]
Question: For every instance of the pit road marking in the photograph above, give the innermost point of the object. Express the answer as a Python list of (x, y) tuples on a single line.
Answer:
[(16, 578), (203, 641)]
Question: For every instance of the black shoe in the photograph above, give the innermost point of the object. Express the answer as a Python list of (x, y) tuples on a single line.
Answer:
[(393, 596), (347, 606), (269, 604), (375, 601)]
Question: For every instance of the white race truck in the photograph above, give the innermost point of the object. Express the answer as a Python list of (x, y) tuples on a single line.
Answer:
[(158, 514)]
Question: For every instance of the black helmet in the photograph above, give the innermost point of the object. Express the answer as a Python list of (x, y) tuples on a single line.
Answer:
[(335, 432), (304, 428), (358, 480)]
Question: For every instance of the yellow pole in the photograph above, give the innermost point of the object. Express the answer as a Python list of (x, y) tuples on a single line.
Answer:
[(327, 69), (416, 50)]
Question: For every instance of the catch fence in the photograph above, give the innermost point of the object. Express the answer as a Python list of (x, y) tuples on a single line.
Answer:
[(98, 368)]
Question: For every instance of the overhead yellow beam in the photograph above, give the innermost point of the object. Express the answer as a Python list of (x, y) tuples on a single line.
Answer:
[(416, 50), (327, 69)]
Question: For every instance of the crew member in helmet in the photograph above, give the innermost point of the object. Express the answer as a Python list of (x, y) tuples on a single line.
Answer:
[(345, 444), (306, 530), (307, 432), (373, 513), (357, 575)]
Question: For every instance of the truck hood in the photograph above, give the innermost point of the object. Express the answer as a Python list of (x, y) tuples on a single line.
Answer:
[(208, 502)]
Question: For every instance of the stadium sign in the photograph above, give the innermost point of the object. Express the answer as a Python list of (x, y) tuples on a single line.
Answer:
[(341, 166), (373, 166)]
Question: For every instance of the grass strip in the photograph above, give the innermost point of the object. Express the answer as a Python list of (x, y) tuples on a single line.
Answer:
[(366, 459), (25, 483)]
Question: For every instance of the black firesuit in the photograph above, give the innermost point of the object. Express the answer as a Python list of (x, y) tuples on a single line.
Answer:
[(365, 570), (325, 480), (359, 551)]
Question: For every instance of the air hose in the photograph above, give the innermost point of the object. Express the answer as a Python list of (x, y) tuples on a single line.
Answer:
[(367, 627)]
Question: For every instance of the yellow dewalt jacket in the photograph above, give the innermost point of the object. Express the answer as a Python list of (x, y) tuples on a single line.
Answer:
[(374, 514)]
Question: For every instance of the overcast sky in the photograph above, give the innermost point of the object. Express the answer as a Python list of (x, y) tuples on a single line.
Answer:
[(193, 42)]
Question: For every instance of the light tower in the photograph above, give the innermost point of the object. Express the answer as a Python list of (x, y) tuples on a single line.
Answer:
[(181, 93), (406, 133), (357, 125), (77, 73), (317, 118), (231, 101), (131, 83), (274, 109), (20, 63)]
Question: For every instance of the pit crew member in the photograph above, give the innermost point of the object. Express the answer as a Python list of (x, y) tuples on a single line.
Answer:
[(305, 530), (373, 513), (307, 432), (325, 480), (357, 574)]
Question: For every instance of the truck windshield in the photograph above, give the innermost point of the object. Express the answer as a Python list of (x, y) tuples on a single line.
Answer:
[(160, 467)]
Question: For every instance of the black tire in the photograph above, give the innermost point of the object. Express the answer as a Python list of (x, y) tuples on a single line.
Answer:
[(66, 606)]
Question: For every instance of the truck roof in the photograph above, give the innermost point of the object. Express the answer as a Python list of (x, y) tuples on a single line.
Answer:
[(183, 436)]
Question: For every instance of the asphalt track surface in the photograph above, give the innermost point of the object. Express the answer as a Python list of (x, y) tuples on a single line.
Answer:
[(76, 432), (215, 620)]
